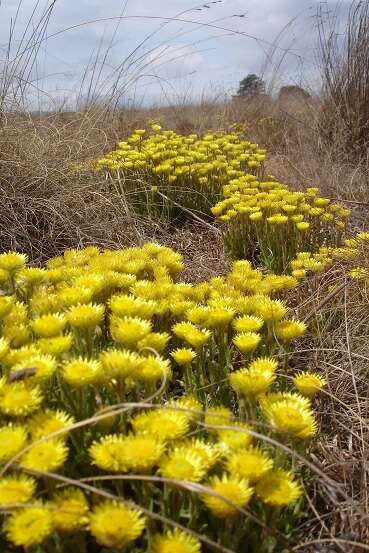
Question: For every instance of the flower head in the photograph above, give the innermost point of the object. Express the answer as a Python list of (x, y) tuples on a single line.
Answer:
[(47, 456), (176, 541), (69, 510), (252, 382), (30, 526), (196, 337), (12, 261), (236, 438), (12, 440), (48, 421), (247, 341), (120, 363), (278, 488), (129, 330), (115, 525), (127, 453), (290, 415), (230, 492), (151, 369), (19, 399), (248, 323), (290, 330), (163, 424), (251, 463), (308, 384), (183, 464), (183, 356), (49, 325), (16, 489), (85, 316), (81, 372)]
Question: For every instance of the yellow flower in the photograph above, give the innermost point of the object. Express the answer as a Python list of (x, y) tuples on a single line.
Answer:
[(208, 453), (44, 366), (248, 323), (154, 341), (252, 382), (264, 364), (151, 369), (69, 510), (85, 316), (218, 415), (182, 464), (183, 356), (12, 261), (48, 421), (308, 384), (190, 333), (234, 492), (129, 330), (235, 439), (4, 348), (18, 399), (218, 317), (6, 305), (29, 527), (12, 440), (74, 295), (121, 453), (270, 310), (81, 372), (55, 346), (289, 330), (176, 541), (251, 464), (128, 306), (46, 456), (120, 363), (247, 341), (115, 525), (163, 424), (302, 225), (49, 325), (278, 488), (291, 416), (16, 489)]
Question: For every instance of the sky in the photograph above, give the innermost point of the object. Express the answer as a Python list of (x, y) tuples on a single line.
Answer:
[(151, 51)]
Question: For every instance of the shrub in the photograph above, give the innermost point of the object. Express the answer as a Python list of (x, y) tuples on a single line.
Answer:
[(164, 174), (152, 399), (269, 223)]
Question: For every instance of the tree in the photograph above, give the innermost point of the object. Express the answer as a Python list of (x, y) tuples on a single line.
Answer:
[(251, 85)]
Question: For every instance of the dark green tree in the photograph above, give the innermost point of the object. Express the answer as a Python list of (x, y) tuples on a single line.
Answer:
[(251, 85)]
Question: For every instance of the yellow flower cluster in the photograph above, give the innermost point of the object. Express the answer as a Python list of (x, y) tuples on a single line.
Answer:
[(163, 171), (96, 334), (269, 223)]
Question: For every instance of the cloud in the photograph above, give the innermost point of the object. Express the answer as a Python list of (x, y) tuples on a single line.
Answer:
[(179, 44)]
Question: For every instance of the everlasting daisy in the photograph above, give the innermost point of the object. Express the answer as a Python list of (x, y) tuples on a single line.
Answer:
[(114, 525), (196, 337), (183, 356), (289, 330), (48, 421), (81, 372), (120, 363), (12, 440), (49, 326), (235, 439), (176, 541), (12, 261), (55, 346), (247, 341), (129, 330), (85, 316), (127, 453), (157, 341), (16, 489), (29, 527), (231, 488), (69, 510), (207, 452), (252, 382), (151, 369), (43, 365), (251, 463), (182, 464), (278, 488), (163, 424), (19, 399), (46, 456), (308, 384), (248, 323), (290, 416)]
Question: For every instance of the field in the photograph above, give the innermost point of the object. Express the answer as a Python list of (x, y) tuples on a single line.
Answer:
[(184, 324)]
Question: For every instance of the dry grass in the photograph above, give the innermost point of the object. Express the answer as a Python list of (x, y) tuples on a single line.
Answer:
[(47, 206)]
